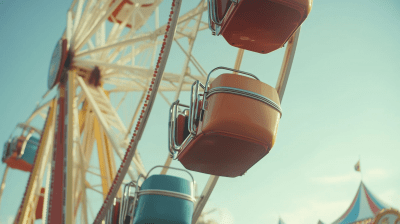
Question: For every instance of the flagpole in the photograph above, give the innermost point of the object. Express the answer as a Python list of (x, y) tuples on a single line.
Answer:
[(357, 167), (359, 159)]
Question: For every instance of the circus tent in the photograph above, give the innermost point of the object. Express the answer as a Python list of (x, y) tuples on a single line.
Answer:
[(365, 207), (281, 221)]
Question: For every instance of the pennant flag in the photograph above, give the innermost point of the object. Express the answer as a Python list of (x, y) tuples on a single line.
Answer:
[(357, 166)]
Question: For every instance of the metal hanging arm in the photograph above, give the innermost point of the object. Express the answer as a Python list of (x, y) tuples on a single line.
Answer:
[(238, 61), (287, 64), (205, 195)]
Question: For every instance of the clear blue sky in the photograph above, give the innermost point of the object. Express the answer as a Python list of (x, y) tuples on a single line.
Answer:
[(341, 103)]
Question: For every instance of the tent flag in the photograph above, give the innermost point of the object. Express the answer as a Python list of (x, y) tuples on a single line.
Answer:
[(357, 166)]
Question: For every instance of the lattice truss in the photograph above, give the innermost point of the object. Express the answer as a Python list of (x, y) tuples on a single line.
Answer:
[(123, 50)]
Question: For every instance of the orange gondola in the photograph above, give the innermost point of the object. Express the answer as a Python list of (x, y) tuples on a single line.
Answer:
[(182, 130), (257, 25), (230, 127)]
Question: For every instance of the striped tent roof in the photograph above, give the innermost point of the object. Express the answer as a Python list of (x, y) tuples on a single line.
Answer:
[(364, 206)]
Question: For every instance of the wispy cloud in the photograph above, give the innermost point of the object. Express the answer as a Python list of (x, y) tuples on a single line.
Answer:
[(372, 174), (336, 179), (391, 197), (376, 174), (220, 215), (312, 210), (10, 219), (226, 216)]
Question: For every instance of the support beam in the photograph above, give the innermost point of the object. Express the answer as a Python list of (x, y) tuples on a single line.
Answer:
[(238, 61), (101, 118), (193, 60), (135, 115), (89, 34), (37, 111), (82, 197), (105, 172), (3, 181), (46, 195), (205, 195), (287, 64), (85, 121), (69, 205), (57, 197), (39, 165), (119, 44), (100, 115)]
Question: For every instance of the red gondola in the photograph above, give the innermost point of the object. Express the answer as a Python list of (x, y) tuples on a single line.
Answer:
[(257, 25), (112, 216), (232, 130), (124, 10), (39, 205)]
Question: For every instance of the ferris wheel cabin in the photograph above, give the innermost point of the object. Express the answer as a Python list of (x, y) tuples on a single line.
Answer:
[(236, 127), (261, 26), (19, 152), (123, 12), (159, 199), (165, 197)]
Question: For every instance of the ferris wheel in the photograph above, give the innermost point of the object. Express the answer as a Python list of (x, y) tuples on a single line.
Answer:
[(107, 54)]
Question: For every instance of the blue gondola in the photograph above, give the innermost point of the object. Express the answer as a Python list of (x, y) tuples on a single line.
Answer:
[(160, 199), (19, 152)]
